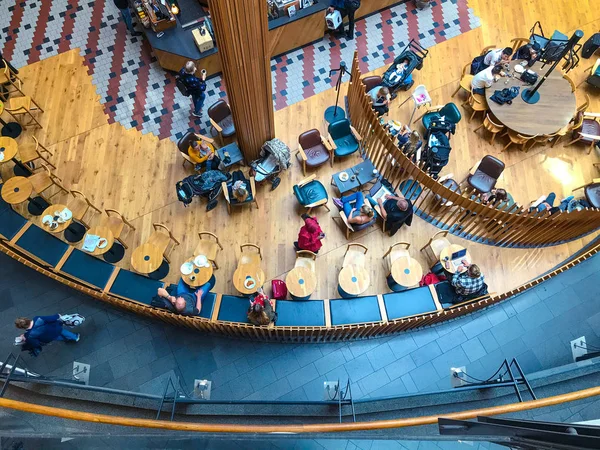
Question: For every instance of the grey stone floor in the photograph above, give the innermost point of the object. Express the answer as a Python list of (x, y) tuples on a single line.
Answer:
[(130, 352)]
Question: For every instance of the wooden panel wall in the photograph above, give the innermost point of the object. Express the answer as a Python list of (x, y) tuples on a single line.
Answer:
[(170, 61), (241, 31), (296, 34)]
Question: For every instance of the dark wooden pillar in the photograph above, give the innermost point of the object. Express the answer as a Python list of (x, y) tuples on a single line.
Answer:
[(241, 30)]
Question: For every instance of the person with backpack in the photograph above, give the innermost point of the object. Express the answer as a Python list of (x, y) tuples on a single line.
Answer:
[(190, 85), (346, 8)]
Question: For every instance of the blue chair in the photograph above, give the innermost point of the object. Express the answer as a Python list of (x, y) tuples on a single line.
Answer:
[(344, 137), (449, 112), (311, 193)]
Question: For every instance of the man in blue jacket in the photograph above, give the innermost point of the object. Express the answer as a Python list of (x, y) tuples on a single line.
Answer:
[(194, 85), (42, 330), (346, 8)]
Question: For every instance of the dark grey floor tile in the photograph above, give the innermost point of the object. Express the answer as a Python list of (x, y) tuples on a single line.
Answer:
[(302, 376), (374, 381), (330, 361), (426, 353), (400, 367), (285, 364), (380, 356), (359, 367), (452, 339)]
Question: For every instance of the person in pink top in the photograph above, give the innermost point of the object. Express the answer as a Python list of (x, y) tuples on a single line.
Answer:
[(310, 235)]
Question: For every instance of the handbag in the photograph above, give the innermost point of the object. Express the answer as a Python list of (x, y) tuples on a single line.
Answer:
[(529, 77), (72, 320), (279, 289)]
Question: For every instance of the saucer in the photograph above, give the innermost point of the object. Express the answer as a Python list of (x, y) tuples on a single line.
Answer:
[(344, 176), (186, 268), (102, 243), (201, 261), (47, 220)]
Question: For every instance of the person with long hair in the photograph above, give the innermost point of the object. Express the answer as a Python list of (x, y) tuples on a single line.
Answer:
[(260, 311)]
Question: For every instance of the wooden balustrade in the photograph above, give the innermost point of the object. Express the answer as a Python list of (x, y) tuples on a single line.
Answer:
[(466, 218)]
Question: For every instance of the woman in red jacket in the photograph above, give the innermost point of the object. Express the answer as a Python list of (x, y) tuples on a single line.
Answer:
[(310, 235)]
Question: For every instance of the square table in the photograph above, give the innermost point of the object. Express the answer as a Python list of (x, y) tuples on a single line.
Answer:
[(235, 154), (363, 174), (345, 186)]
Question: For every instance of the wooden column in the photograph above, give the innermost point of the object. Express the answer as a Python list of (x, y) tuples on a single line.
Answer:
[(241, 31)]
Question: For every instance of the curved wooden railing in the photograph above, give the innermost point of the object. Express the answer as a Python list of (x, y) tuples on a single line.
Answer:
[(502, 227), (297, 429)]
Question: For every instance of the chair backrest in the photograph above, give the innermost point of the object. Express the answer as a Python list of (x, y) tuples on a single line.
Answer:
[(310, 138), (451, 113), (491, 166), (186, 140), (355, 254), (208, 233), (485, 50), (585, 104), (219, 111), (79, 194), (371, 82), (489, 123), (339, 128), (248, 256), (518, 43)]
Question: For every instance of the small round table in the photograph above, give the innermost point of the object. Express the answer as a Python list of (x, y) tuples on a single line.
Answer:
[(447, 253), (9, 147), (16, 190), (406, 271), (199, 276), (49, 211), (354, 280), (552, 112), (301, 282), (146, 258), (245, 271), (103, 232)]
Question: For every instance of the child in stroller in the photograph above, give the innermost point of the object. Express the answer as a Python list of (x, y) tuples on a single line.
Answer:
[(274, 158), (399, 74), (206, 185)]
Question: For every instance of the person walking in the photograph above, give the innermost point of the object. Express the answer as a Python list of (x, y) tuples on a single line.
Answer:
[(42, 330), (123, 6), (194, 86), (310, 235)]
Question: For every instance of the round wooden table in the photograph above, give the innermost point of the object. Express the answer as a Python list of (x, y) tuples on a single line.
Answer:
[(146, 258), (354, 279), (49, 211), (552, 112), (9, 147), (447, 253), (199, 276), (103, 232), (245, 271), (16, 190), (301, 282), (406, 271)]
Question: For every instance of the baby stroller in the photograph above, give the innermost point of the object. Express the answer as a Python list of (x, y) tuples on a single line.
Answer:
[(207, 184), (274, 158), (415, 54), (436, 153)]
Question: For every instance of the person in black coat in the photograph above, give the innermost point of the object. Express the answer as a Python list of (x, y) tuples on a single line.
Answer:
[(396, 211), (123, 6), (346, 8)]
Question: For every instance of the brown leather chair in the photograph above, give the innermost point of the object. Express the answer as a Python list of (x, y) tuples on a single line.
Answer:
[(485, 177), (221, 119), (586, 129), (314, 149), (592, 194), (184, 144), (371, 82)]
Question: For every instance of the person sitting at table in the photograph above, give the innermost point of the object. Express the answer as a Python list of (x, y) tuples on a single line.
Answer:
[(380, 96), (261, 311), (467, 280), (186, 301), (356, 210), (528, 52), (495, 195), (203, 156), (396, 211), (239, 187), (485, 79), (496, 56), (409, 142), (546, 202), (310, 235)]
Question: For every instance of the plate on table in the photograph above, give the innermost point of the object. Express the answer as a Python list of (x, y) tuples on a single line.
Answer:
[(201, 261), (66, 214), (249, 283), (187, 268), (519, 68), (102, 243), (47, 220), (343, 176)]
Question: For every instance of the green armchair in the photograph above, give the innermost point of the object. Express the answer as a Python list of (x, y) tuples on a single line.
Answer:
[(311, 193), (344, 137)]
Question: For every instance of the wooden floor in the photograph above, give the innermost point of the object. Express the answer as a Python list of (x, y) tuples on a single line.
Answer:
[(136, 174)]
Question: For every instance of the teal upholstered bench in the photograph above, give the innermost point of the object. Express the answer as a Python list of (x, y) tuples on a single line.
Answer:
[(233, 309), (10, 222), (136, 287), (43, 246), (356, 310), (298, 313), (208, 305), (409, 303), (86, 268)]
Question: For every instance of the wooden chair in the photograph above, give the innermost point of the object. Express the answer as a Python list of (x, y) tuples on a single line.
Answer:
[(396, 251), (354, 255), (477, 103), (249, 256), (585, 104), (590, 70), (575, 123), (349, 228), (490, 126), (32, 151), (161, 238), (589, 130), (116, 222), (79, 206), (44, 180), (485, 50), (465, 80), (22, 106), (519, 139), (434, 247), (9, 79), (519, 42), (232, 202), (306, 258), (568, 78), (208, 247)]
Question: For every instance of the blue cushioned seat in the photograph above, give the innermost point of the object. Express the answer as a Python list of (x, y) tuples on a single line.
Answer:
[(449, 112), (208, 304), (343, 138), (42, 245), (310, 193), (86, 268), (409, 303), (134, 286), (298, 313), (356, 310), (233, 309), (10, 221), (445, 293)]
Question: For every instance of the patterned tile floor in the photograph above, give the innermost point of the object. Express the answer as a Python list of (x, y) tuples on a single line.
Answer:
[(138, 93)]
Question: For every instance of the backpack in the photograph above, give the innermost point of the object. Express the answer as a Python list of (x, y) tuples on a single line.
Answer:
[(182, 86), (185, 192), (352, 4)]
